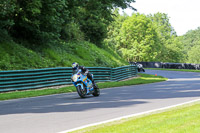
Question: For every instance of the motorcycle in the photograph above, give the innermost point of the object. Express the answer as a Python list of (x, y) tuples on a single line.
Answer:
[(140, 68), (84, 85)]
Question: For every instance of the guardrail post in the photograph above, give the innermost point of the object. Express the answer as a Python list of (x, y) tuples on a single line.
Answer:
[(111, 78)]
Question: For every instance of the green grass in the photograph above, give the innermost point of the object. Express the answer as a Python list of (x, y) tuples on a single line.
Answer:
[(185, 70), (35, 93), (15, 56), (145, 78), (184, 119)]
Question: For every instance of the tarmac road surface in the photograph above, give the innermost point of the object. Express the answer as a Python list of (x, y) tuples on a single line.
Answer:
[(56, 113)]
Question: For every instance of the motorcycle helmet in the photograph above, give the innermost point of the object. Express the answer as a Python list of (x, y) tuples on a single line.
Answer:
[(74, 66)]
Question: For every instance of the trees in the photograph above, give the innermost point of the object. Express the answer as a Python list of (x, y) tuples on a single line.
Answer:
[(139, 40), (145, 38), (194, 54), (39, 20), (191, 44), (113, 32), (43, 21), (134, 37), (93, 17), (171, 48), (7, 9)]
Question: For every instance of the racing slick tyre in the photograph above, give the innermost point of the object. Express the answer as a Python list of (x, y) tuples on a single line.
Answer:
[(81, 92), (96, 92)]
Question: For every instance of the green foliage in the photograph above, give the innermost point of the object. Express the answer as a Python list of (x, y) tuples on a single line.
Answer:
[(163, 26), (191, 44), (191, 38), (46, 21), (72, 32), (92, 18), (7, 8), (113, 37), (138, 39), (39, 20), (194, 54), (16, 56), (171, 47), (91, 21), (144, 38)]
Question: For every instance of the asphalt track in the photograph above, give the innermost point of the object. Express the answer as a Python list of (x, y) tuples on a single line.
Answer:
[(56, 113)]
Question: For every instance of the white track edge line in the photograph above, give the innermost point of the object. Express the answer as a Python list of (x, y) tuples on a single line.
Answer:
[(128, 116)]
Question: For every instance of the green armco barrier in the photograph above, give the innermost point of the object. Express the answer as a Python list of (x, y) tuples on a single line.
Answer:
[(47, 77)]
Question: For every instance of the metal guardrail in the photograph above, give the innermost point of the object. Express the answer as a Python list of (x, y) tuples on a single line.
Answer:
[(121, 73), (169, 65), (47, 77)]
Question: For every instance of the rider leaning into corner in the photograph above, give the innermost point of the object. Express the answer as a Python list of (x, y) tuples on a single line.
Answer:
[(85, 71)]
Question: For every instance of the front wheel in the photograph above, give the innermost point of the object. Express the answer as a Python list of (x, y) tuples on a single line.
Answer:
[(81, 92)]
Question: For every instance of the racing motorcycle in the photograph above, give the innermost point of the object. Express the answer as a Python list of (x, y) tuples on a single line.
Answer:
[(140, 68), (84, 85)]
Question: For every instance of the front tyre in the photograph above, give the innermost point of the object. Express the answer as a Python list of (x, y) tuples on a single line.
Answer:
[(81, 92)]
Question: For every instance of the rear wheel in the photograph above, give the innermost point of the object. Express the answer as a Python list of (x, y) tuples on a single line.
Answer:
[(82, 92), (96, 92)]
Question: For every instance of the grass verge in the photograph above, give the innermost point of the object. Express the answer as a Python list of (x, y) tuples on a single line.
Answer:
[(143, 79), (185, 70), (177, 120), (14, 56)]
